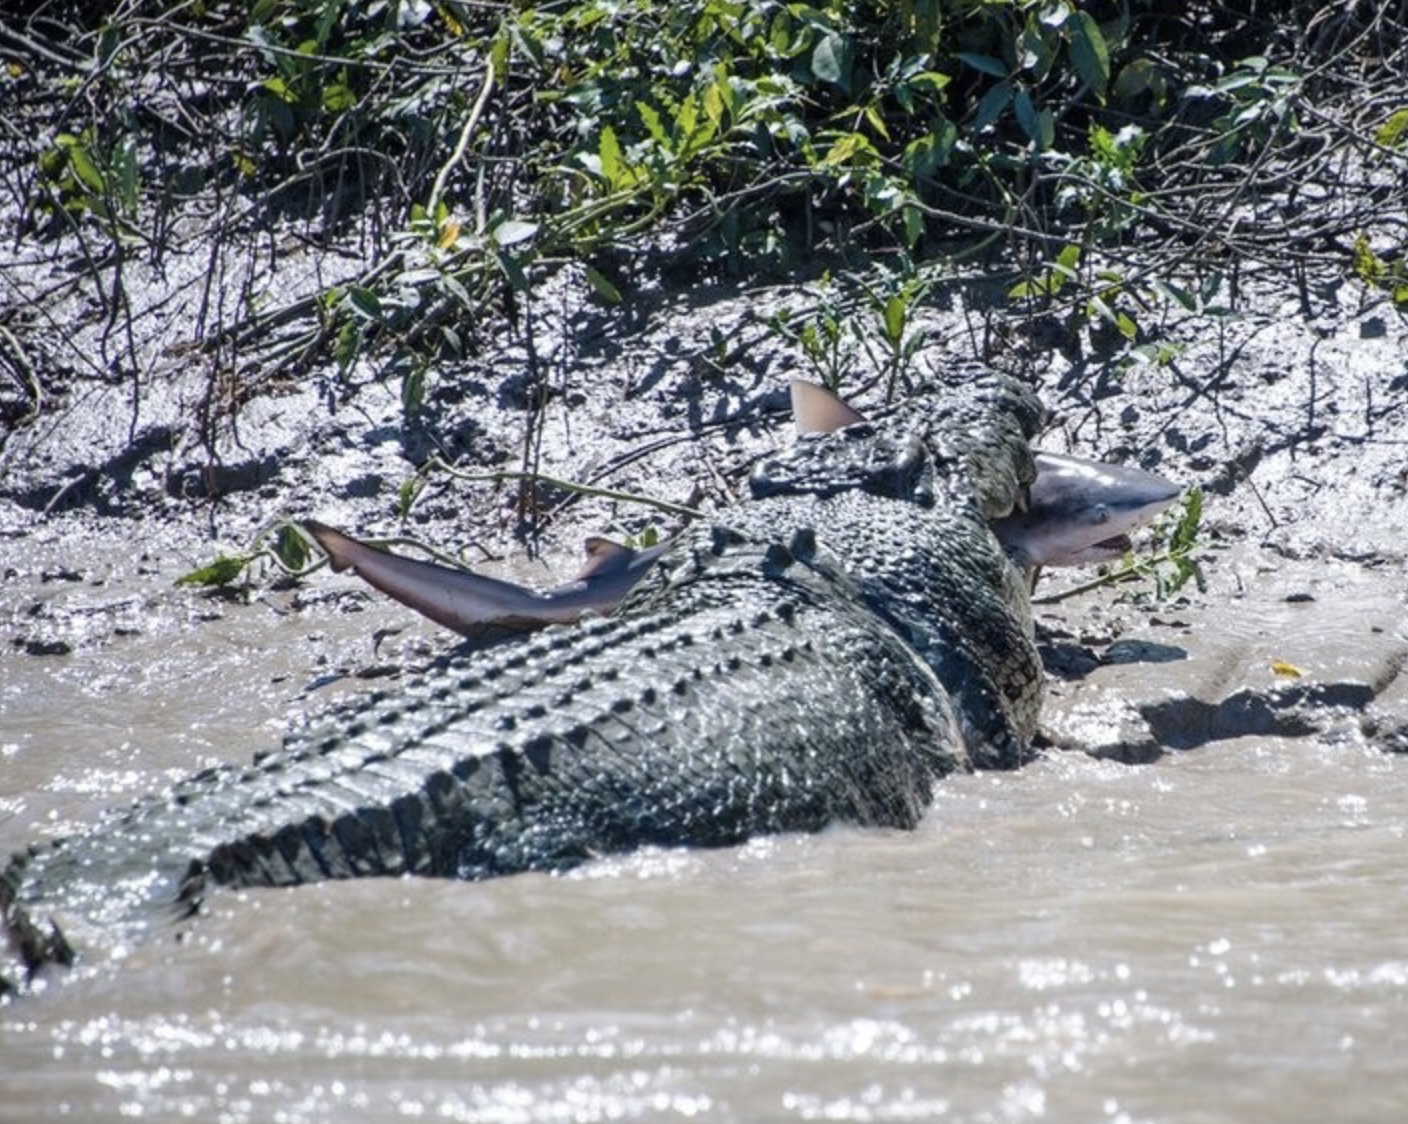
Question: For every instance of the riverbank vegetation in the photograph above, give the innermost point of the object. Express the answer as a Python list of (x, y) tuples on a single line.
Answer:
[(390, 181)]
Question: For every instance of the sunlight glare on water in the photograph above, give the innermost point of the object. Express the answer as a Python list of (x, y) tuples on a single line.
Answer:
[(1079, 940), (1216, 937)]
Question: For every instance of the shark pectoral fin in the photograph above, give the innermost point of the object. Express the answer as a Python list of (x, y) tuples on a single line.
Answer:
[(816, 410), (605, 557)]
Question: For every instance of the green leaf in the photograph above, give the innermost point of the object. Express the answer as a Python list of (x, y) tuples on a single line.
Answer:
[(365, 303), (347, 346), (329, 18), (686, 117), (124, 159), (1045, 129), (992, 105), (603, 286), (1138, 76), (852, 149), (280, 89), (85, 168), (896, 313), (452, 285), (1089, 53), (1026, 114), (928, 154), (223, 571), (650, 118), (828, 60), (338, 98), (986, 63), (913, 225), (498, 57), (1185, 534), (1367, 264), (877, 122), (714, 105), (1121, 321), (1391, 133), (413, 391), (513, 270), (510, 232), (931, 78), (609, 153), (406, 495), (1180, 296), (290, 548)]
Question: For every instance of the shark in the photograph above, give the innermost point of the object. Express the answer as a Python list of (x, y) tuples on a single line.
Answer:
[(1076, 512)]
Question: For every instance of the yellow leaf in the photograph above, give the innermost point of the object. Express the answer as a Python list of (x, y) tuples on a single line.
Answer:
[(448, 233), (1286, 670), (876, 121)]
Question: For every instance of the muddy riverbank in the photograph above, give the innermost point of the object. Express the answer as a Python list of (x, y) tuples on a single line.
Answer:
[(1208, 850)]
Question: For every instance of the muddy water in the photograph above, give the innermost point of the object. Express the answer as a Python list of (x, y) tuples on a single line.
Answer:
[(1221, 935)]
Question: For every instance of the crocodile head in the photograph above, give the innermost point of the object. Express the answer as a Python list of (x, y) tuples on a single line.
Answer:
[(1077, 512)]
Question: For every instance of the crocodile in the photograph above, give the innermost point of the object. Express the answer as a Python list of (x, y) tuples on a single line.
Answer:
[(822, 652), (1078, 512)]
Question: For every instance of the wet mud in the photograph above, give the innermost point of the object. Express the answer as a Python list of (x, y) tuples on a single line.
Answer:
[(1062, 938)]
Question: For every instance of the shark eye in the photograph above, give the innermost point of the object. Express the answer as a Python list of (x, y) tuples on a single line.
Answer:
[(1101, 514)]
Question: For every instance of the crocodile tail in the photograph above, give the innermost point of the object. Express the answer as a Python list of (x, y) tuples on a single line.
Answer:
[(31, 946)]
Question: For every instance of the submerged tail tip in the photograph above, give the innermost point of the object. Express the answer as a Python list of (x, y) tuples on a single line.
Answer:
[(31, 946)]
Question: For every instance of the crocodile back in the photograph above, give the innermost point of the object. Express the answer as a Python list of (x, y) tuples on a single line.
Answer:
[(821, 653)]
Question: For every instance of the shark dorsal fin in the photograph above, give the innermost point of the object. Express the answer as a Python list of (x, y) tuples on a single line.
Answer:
[(816, 410), (604, 557)]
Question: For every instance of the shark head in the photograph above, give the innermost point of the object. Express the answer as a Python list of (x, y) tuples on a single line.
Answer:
[(1081, 512)]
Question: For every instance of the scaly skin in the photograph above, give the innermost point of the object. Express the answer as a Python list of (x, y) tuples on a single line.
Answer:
[(821, 653)]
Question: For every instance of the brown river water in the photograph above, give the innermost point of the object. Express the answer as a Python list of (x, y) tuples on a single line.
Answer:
[(1218, 935)]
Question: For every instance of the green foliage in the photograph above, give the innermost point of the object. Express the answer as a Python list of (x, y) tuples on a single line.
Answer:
[(499, 143), (1379, 273), (824, 335), (1393, 133), (861, 108), (225, 570), (1258, 101), (1175, 566), (321, 62), (831, 334), (282, 543), (78, 176)]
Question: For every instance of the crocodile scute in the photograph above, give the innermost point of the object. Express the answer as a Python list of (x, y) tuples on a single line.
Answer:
[(822, 652)]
